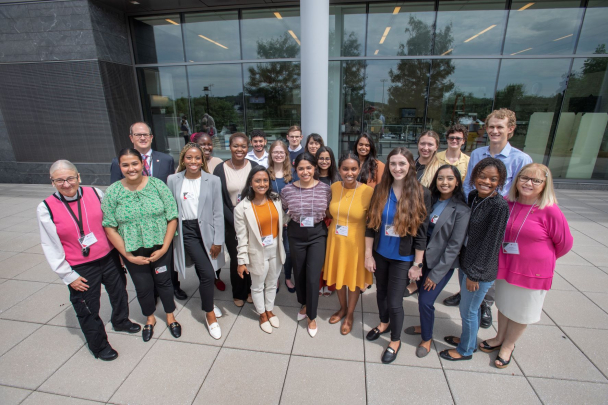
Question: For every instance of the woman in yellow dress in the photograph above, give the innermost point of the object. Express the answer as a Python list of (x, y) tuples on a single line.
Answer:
[(345, 252)]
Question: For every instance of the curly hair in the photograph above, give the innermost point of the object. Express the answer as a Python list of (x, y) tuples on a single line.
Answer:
[(238, 135), (501, 114), (458, 128), (191, 145), (490, 162), (258, 133)]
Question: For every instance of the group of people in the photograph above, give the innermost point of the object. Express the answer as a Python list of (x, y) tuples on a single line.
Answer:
[(330, 225)]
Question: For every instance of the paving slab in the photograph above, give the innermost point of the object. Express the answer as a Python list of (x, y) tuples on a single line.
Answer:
[(40, 307), (492, 388), (263, 385), (20, 242), (573, 308), (41, 272), (562, 392), (593, 254), (42, 398), (593, 343), (16, 263), (585, 278), (600, 299), (15, 291), (12, 333), (12, 395)]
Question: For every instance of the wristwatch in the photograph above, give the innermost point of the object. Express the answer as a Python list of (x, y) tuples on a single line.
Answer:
[(419, 265)]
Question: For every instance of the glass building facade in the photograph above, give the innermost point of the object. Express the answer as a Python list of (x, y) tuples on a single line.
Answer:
[(395, 70)]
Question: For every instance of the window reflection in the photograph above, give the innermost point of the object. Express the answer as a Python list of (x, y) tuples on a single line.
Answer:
[(158, 39), (347, 30), (594, 34), (473, 27), (542, 27), (212, 36), (164, 95), (400, 28), (270, 33), (272, 97), (532, 88), (580, 147)]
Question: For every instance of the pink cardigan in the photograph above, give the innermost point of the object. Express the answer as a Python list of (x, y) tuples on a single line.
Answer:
[(544, 238)]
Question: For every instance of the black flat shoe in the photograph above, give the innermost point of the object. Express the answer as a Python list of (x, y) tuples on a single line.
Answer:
[(175, 329), (452, 301), (291, 290), (180, 294), (486, 316), (450, 340), (109, 354), (132, 328), (147, 333), (446, 355), (390, 355), (407, 293), (503, 363), (486, 348), (375, 333)]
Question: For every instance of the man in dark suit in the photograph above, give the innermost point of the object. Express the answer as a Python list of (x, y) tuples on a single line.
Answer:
[(156, 164)]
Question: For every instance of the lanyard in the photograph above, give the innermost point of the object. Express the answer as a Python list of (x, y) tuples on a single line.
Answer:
[(522, 224), (79, 219), (258, 220), (312, 202), (388, 205), (351, 203)]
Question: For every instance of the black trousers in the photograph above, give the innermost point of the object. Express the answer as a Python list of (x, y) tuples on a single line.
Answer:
[(307, 249), (149, 276), (194, 247), (241, 287), (174, 274), (109, 272), (391, 282)]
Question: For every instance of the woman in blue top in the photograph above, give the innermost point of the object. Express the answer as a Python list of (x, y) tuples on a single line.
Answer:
[(281, 174), (395, 242)]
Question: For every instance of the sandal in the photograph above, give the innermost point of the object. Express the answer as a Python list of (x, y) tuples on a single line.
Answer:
[(335, 318), (486, 348), (450, 340), (503, 363), (346, 328)]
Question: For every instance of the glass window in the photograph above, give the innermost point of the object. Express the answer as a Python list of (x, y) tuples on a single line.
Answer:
[(533, 89), (401, 28), (543, 27), (470, 27), (395, 101), (347, 30), (580, 147), (594, 35), (272, 97), (271, 33), (164, 94), (461, 92), (158, 39), (212, 36), (217, 102)]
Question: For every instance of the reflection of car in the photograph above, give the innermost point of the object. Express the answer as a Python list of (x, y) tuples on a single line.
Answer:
[(390, 136)]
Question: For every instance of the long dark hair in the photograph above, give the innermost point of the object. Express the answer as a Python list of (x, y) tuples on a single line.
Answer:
[(248, 191), (310, 159), (332, 171), (315, 137), (370, 166), (129, 152), (458, 193)]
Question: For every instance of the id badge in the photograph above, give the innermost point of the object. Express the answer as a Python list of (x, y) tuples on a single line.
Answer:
[(510, 248), (87, 240), (389, 230), (267, 240), (238, 198), (434, 219), (159, 270), (342, 230), (307, 222)]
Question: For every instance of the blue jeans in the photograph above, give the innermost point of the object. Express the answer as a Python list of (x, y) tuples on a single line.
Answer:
[(470, 314), (426, 303), (287, 265)]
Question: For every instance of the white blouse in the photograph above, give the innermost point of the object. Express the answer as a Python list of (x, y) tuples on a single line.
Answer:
[(191, 189)]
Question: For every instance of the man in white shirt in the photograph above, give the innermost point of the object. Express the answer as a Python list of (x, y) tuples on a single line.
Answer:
[(258, 154)]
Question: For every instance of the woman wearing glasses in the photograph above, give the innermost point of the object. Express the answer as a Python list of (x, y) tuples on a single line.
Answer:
[(537, 235), (453, 155), (328, 169), (140, 219), (83, 257)]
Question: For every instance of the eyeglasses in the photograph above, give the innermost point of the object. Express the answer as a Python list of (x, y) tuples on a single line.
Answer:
[(324, 159), (71, 180), (138, 136), (278, 153), (455, 138), (535, 182)]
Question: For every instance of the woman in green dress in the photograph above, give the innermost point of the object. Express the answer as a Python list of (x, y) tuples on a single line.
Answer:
[(140, 218)]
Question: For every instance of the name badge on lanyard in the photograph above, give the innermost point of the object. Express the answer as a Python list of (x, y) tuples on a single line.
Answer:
[(389, 230), (87, 240), (307, 222), (434, 219), (510, 248), (267, 240), (342, 230)]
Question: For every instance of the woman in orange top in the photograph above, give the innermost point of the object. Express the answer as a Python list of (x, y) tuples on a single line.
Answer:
[(371, 168)]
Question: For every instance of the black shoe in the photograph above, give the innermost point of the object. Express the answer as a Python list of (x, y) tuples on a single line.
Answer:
[(450, 340), (107, 354), (147, 333), (446, 355), (390, 355), (486, 316), (291, 290), (452, 301), (180, 294), (129, 328), (175, 329), (375, 333)]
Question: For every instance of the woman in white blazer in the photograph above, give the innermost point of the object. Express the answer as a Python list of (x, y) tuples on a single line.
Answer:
[(258, 221), (200, 230)]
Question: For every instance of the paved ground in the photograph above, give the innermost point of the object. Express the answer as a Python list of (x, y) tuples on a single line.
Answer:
[(43, 359)]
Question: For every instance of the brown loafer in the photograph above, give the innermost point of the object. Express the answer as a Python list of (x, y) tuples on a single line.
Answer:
[(239, 303), (335, 318)]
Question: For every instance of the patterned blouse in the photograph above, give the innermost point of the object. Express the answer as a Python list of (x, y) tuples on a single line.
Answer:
[(140, 216)]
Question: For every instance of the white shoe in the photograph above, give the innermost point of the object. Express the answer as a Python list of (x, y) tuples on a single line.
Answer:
[(217, 312), (274, 321), (312, 332), (301, 316), (266, 327), (214, 329)]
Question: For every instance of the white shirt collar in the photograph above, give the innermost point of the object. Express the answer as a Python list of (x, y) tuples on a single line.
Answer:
[(294, 150)]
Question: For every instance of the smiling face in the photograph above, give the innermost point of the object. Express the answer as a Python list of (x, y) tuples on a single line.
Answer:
[(455, 140), (526, 186), (206, 143), (399, 166), (487, 181), (427, 145), (446, 183), (349, 170), (69, 179), (294, 138), (363, 147), (278, 154), (313, 146), (260, 183), (259, 143), (306, 171), (499, 131), (141, 137), (238, 148), (131, 167), (324, 161), (193, 159)]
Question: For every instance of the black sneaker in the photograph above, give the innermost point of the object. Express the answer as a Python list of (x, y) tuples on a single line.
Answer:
[(486, 316), (452, 301)]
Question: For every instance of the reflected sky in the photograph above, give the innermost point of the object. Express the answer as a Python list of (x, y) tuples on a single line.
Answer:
[(158, 40), (222, 80), (212, 36), (473, 32), (477, 76), (541, 77), (595, 27), (265, 25), (351, 22)]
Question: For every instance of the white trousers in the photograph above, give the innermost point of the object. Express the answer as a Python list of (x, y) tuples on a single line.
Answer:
[(264, 283)]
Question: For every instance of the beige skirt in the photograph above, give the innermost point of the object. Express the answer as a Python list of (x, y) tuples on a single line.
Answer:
[(519, 304)]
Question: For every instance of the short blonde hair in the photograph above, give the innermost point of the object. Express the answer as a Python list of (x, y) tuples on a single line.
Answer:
[(501, 114), (547, 196)]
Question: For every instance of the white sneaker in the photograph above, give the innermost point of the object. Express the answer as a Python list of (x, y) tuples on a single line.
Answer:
[(266, 327), (217, 312), (274, 321), (214, 329)]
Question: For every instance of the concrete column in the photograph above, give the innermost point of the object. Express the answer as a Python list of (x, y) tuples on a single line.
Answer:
[(314, 17)]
